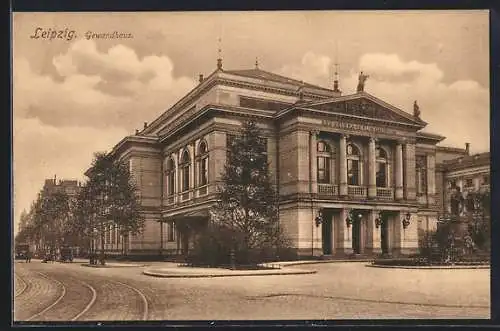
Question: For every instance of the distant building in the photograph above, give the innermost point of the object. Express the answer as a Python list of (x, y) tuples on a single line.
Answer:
[(365, 168), (468, 173), (70, 187)]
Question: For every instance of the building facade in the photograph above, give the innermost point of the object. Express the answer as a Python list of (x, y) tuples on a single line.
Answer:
[(355, 175)]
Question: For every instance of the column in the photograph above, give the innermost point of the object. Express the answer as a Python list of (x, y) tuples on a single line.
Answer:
[(374, 243), (372, 170), (431, 179), (344, 238), (343, 166), (399, 171), (313, 164), (410, 191)]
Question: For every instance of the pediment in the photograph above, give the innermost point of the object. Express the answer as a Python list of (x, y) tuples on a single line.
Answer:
[(369, 108)]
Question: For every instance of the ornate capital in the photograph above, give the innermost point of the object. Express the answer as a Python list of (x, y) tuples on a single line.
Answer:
[(314, 132), (373, 140)]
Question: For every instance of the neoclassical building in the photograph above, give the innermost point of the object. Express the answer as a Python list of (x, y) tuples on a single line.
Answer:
[(354, 173)]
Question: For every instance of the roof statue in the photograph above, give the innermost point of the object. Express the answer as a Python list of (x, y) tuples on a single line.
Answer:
[(416, 109), (361, 83)]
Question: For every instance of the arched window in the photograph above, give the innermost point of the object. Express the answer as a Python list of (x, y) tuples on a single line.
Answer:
[(324, 157), (170, 177), (382, 168), (353, 165), (202, 164), (185, 167)]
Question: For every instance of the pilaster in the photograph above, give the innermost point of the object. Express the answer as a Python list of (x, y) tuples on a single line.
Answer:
[(313, 160), (399, 171), (343, 166), (410, 173), (431, 179), (374, 243), (372, 171), (344, 240)]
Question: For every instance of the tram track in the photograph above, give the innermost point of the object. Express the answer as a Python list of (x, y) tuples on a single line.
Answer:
[(25, 285), (59, 298), (77, 298)]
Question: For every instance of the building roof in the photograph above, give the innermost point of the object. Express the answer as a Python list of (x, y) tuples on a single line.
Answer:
[(266, 75), (467, 161), (451, 149)]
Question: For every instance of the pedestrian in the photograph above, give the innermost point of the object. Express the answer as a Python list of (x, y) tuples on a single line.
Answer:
[(28, 257)]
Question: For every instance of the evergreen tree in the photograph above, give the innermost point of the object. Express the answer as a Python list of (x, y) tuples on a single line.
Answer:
[(247, 204), (108, 199)]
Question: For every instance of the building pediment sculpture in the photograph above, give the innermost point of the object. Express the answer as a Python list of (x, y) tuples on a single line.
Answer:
[(416, 109), (361, 82), (365, 108)]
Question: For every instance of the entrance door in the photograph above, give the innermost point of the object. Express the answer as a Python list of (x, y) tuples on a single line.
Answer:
[(384, 235), (326, 234), (356, 236)]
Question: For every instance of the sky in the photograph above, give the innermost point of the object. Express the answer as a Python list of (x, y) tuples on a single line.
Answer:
[(74, 95)]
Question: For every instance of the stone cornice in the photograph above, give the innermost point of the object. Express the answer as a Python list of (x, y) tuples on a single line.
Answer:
[(298, 111), (209, 111), (130, 141), (220, 78)]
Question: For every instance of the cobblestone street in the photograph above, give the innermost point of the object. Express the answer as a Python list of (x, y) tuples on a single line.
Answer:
[(55, 291)]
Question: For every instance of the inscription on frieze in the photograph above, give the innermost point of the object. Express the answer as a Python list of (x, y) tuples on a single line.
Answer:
[(361, 127)]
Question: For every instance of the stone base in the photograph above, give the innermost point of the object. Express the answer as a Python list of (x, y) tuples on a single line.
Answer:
[(343, 252)]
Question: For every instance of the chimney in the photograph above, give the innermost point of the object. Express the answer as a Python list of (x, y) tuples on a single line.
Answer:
[(201, 78), (145, 125), (55, 180), (467, 148)]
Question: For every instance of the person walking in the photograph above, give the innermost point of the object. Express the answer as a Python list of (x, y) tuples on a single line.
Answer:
[(28, 256)]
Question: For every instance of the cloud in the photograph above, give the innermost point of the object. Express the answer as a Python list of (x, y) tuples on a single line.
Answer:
[(458, 110), (96, 88), (41, 150), (97, 98), (313, 68)]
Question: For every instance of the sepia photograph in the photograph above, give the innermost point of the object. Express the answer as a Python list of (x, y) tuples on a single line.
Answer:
[(250, 166)]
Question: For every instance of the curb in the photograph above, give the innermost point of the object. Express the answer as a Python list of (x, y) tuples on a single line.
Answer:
[(273, 273), (430, 267), (282, 265), (112, 266)]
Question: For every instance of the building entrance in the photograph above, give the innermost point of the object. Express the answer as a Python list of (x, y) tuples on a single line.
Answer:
[(356, 236), (326, 233)]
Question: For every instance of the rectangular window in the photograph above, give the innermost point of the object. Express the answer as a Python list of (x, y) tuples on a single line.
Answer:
[(353, 172), (204, 171), (170, 232), (469, 182), (485, 180), (171, 183), (380, 175), (421, 174), (323, 170), (185, 178)]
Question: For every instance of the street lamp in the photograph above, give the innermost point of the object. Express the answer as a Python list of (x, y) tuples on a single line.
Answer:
[(378, 220), (406, 220), (319, 218)]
